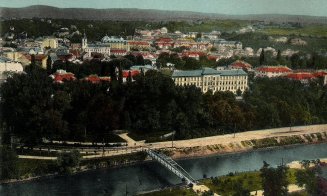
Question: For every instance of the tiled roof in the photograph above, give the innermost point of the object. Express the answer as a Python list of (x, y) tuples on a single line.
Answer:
[(96, 79), (241, 64), (61, 77), (274, 69), (300, 76)]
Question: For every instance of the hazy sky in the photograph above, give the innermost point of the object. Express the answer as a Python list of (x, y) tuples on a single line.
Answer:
[(294, 7)]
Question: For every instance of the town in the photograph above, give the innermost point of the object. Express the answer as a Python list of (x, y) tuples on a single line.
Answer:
[(79, 95)]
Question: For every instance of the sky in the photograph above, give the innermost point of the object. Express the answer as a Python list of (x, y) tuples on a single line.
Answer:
[(232, 7)]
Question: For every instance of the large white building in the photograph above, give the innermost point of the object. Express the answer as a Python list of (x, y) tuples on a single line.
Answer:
[(106, 46), (7, 67), (214, 80)]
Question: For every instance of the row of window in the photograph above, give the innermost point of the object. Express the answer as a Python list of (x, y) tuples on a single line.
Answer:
[(211, 78)]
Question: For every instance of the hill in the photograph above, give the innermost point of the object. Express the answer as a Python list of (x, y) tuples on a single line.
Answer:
[(130, 14)]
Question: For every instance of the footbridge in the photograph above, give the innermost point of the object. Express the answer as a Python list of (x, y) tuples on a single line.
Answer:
[(171, 165)]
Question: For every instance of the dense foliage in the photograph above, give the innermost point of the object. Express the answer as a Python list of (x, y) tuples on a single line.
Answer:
[(274, 180), (34, 107)]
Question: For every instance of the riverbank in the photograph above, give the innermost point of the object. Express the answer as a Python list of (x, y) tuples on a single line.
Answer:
[(229, 144), (149, 175), (246, 145)]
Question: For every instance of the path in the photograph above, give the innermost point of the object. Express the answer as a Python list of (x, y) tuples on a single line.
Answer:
[(243, 136), (130, 141)]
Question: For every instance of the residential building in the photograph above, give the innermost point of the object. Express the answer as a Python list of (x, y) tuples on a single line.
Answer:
[(222, 45), (240, 65), (139, 44), (164, 43), (303, 77), (215, 80), (271, 71), (49, 43), (61, 75)]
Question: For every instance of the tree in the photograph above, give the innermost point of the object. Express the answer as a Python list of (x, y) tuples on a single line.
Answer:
[(23, 111), (131, 57), (308, 177), (274, 180), (33, 59), (8, 164), (49, 64), (262, 57), (129, 78), (279, 56), (139, 60), (67, 161)]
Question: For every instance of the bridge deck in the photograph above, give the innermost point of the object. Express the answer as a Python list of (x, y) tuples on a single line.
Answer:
[(171, 165)]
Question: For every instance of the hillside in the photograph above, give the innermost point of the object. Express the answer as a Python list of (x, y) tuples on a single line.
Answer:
[(41, 11)]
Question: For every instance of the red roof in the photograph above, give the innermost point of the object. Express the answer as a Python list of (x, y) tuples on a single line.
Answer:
[(133, 73), (96, 79), (60, 78), (241, 64), (274, 69), (213, 58), (320, 73), (300, 76), (164, 40)]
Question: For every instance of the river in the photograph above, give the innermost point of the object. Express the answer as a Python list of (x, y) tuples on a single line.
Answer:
[(151, 175)]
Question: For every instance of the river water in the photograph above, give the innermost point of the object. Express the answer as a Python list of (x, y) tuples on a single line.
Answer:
[(151, 175)]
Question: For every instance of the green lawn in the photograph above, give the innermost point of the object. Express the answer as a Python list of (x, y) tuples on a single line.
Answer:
[(32, 167), (226, 185)]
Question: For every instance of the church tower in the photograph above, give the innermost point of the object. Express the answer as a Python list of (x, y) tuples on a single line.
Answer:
[(84, 42)]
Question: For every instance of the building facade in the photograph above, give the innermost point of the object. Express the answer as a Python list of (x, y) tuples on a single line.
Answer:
[(106, 45), (8, 67), (215, 80)]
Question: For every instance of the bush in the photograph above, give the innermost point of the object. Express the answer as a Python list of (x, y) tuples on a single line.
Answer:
[(67, 161)]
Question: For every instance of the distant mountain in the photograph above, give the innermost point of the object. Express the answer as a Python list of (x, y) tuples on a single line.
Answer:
[(41, 11)]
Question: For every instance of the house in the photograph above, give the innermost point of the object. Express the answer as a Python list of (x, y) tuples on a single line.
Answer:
[(303, 77), (271, 71), (210, 79), (227, 45), (133, 73), (139, 44), (49, 43), (118, 52), (96, 79), (164, 43), (61, 76), (40, 59), (240, 65), (193, 54)]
